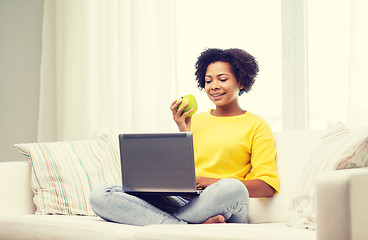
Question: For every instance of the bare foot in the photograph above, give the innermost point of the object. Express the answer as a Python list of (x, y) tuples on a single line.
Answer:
[(215, 219)]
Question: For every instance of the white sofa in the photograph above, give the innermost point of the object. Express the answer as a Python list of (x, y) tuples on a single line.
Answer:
[(342, 207)]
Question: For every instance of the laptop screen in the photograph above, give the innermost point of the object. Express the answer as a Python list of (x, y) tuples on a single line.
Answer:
[(157, 163)]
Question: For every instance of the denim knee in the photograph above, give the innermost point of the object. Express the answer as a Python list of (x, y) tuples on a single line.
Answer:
[(232, 188), (98, 197), (112, 204)]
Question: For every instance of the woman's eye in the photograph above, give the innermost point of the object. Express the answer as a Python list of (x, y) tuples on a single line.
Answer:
[(223, 79), (207, 81)]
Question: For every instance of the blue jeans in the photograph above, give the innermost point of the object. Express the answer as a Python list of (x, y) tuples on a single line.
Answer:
[(228, 197)]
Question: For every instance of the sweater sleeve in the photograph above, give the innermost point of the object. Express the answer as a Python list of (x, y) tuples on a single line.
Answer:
[(263, 156)]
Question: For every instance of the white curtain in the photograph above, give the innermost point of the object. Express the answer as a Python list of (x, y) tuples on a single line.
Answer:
[(358, 99), (106, 64)]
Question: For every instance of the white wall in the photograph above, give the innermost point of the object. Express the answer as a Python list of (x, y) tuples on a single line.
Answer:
[(20, 57)]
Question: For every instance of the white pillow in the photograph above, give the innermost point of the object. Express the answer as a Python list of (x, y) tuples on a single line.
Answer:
[(64, 173), (339, 148)]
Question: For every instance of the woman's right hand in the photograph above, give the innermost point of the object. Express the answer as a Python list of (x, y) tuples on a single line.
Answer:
[(180, 118)]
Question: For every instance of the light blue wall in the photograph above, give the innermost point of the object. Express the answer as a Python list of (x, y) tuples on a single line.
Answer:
[(20, 57)]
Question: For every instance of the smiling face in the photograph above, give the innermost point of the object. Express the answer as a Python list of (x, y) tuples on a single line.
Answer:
[(221, 85)]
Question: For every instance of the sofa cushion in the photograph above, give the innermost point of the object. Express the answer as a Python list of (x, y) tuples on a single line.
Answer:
[(293, 149), (229, 231), (339, 148), (64, 173), (61, 227)]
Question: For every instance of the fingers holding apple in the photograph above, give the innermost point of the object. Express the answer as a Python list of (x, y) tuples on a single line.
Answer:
[(188, 103), (178, 117), (182, 110), (176, 111), (185, 106)]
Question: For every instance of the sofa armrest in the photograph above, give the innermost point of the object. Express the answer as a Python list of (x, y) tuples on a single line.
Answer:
[(342, 205), (15, 187)]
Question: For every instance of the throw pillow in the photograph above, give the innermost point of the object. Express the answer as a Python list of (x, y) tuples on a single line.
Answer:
[(339, 148), (64, 173)]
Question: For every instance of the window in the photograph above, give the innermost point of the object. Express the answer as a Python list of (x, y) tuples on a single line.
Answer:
[(328, 61), (254, 26), (302, 48)]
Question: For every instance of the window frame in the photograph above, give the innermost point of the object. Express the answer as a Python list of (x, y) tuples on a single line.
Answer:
[(295, 110)]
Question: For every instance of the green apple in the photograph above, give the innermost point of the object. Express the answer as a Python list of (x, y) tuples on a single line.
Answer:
[(192, 104)]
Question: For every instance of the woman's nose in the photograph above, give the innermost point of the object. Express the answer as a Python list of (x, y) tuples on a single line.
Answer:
[(214, 85)]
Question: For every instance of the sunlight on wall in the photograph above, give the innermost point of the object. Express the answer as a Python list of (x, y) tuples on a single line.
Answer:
[(254, 26)]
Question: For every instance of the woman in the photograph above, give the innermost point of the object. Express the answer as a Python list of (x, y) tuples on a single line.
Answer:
[(234, 153)]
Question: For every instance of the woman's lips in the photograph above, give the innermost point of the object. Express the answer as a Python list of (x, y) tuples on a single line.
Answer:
[(217, 96)]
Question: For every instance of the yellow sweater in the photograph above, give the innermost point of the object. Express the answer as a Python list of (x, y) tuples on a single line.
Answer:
[(240, 147)]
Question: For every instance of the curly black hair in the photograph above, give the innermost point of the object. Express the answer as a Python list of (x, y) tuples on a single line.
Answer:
[(243, 65)]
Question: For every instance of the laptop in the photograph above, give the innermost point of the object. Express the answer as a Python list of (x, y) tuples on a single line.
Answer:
[(158, 164)]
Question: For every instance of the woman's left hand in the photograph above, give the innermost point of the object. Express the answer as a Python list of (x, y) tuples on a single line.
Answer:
[(203, 182)]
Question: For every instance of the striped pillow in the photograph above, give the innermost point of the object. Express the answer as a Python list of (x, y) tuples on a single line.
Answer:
[(64, 173), (339, 148)]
